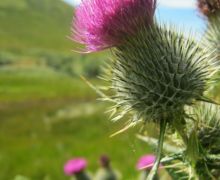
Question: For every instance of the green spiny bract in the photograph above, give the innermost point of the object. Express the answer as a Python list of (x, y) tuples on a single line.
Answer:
[(207, 127), (208, 117), (212, 36), (156, 73)]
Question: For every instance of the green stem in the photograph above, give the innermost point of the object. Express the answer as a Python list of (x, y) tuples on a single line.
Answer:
[(208, 172), (153, 172)]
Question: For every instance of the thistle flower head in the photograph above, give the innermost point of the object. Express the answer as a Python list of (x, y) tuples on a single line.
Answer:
[(146, 162), (100, 24), (74, 166), (209, 7)]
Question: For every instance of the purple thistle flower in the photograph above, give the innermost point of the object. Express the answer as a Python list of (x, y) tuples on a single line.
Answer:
[(146, 162), (74, 166), (100, 24)]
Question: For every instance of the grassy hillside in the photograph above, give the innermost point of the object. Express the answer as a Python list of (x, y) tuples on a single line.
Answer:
[(46, 115), (31, 24), (37, 31)]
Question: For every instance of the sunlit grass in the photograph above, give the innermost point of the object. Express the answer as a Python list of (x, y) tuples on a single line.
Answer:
[(21, 84), (48, 117)]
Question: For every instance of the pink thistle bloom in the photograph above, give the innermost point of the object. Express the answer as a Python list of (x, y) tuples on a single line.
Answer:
[(101, 24), (74, 166), (146, 162)]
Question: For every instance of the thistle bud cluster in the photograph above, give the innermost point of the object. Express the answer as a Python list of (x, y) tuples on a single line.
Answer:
[(155, 73), (211, 10)]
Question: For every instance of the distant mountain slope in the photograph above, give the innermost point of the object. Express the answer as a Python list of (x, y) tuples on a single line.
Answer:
[(35, 24)]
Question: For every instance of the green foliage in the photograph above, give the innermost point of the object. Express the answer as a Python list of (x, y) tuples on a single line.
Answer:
[(49, 144), (43, 24), (41, 38), (48, 118), (7, 58), (74, 65), (34, 84)]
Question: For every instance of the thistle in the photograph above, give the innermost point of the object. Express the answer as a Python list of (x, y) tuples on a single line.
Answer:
[(212, 37), (155, 71), (101, 24), (76, 167), (144, 164), (211, 10), (207, 134), (155, 74), (208, 117)]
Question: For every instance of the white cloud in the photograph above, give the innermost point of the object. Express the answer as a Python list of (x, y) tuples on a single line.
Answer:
[(164, 3), (177, 3)]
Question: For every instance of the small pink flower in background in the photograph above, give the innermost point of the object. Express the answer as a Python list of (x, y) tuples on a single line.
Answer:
[(146, 162), (100, 24), (74, 166)]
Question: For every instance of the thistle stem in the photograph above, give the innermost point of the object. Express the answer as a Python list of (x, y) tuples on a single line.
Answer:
[(153, 172)]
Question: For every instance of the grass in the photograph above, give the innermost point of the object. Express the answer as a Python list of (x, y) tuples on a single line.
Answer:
[(30, 84), (38, 149), (36, 31), (48, 117), (43, 24)]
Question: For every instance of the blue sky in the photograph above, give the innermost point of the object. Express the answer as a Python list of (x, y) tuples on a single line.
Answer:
[(182, 13)]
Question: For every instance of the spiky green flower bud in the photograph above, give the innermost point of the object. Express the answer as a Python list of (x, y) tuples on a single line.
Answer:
[(156, 73), (208, 130), (211, 10), (207, 127), (212, 36)]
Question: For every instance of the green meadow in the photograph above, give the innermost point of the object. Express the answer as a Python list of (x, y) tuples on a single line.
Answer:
[(47, 113), (49, 117)]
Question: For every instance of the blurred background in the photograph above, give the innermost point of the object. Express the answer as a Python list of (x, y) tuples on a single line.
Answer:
[(47, 113)]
